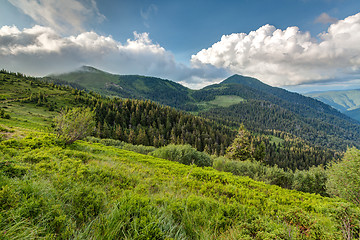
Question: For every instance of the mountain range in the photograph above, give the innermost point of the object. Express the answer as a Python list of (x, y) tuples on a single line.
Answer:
[(236, 100), (346, 101)]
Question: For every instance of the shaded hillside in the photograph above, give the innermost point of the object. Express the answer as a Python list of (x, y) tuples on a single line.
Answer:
[(126, 86), (91, 191), (355, 114)]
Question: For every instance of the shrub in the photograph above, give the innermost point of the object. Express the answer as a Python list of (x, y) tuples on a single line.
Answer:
[(255, 170), (74, 124), (3, 114), (11, 169), (311, 181), (344, 177), (184, 154)]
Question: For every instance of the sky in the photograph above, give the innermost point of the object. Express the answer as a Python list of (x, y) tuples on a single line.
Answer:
[(301, 45)]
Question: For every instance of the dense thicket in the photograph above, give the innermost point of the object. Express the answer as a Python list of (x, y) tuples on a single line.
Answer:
[(344, 177), (311, 181), (295, 154)]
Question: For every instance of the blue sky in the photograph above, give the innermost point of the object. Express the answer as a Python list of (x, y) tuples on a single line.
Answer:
[(302, 45)]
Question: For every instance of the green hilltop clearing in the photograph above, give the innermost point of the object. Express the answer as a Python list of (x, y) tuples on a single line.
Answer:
[(220, 101), (86, 190)]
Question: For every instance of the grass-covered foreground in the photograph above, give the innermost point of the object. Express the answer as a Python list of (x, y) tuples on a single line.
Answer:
[(92, 191)]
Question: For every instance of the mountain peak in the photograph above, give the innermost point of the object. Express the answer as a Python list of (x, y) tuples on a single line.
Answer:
[(249, 81), (89, 69)]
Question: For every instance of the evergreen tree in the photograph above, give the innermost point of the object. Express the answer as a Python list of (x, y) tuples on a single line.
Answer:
[(241, 148)]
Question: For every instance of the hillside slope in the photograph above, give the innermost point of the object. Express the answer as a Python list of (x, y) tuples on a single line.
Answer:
[(92, 191), (129, 120), (127, 86), (150, 124)]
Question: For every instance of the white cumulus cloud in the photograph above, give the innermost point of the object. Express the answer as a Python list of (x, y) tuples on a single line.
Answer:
[(63, 16), (40, 51), (289, 57)]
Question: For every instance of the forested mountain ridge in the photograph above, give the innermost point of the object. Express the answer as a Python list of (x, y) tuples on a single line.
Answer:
[(292, 97), (238, 99), (270, 108), (130, 120)]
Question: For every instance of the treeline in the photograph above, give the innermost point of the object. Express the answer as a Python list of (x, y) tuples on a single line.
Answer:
[(284, 151), (261, 116), (60, 82), (295, 154), (150, 124)]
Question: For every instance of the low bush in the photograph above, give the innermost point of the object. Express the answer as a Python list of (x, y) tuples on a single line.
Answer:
[(184, 154), (256, 170)]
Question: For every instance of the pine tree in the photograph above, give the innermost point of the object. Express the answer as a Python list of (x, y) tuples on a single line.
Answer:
[(242, 147)]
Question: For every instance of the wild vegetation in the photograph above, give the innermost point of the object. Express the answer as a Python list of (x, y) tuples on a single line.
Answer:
[(97, 189), (89, 190)]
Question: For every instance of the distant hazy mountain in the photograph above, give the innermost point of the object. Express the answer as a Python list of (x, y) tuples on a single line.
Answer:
[(347, 101), (238, 99)]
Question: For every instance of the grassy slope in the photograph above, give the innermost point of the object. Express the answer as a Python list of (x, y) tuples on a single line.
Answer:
[(220, 101), (91, 191)]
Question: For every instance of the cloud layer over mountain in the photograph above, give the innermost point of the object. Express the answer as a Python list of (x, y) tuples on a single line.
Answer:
[(40, 51), (60, 43), (289, 57)]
